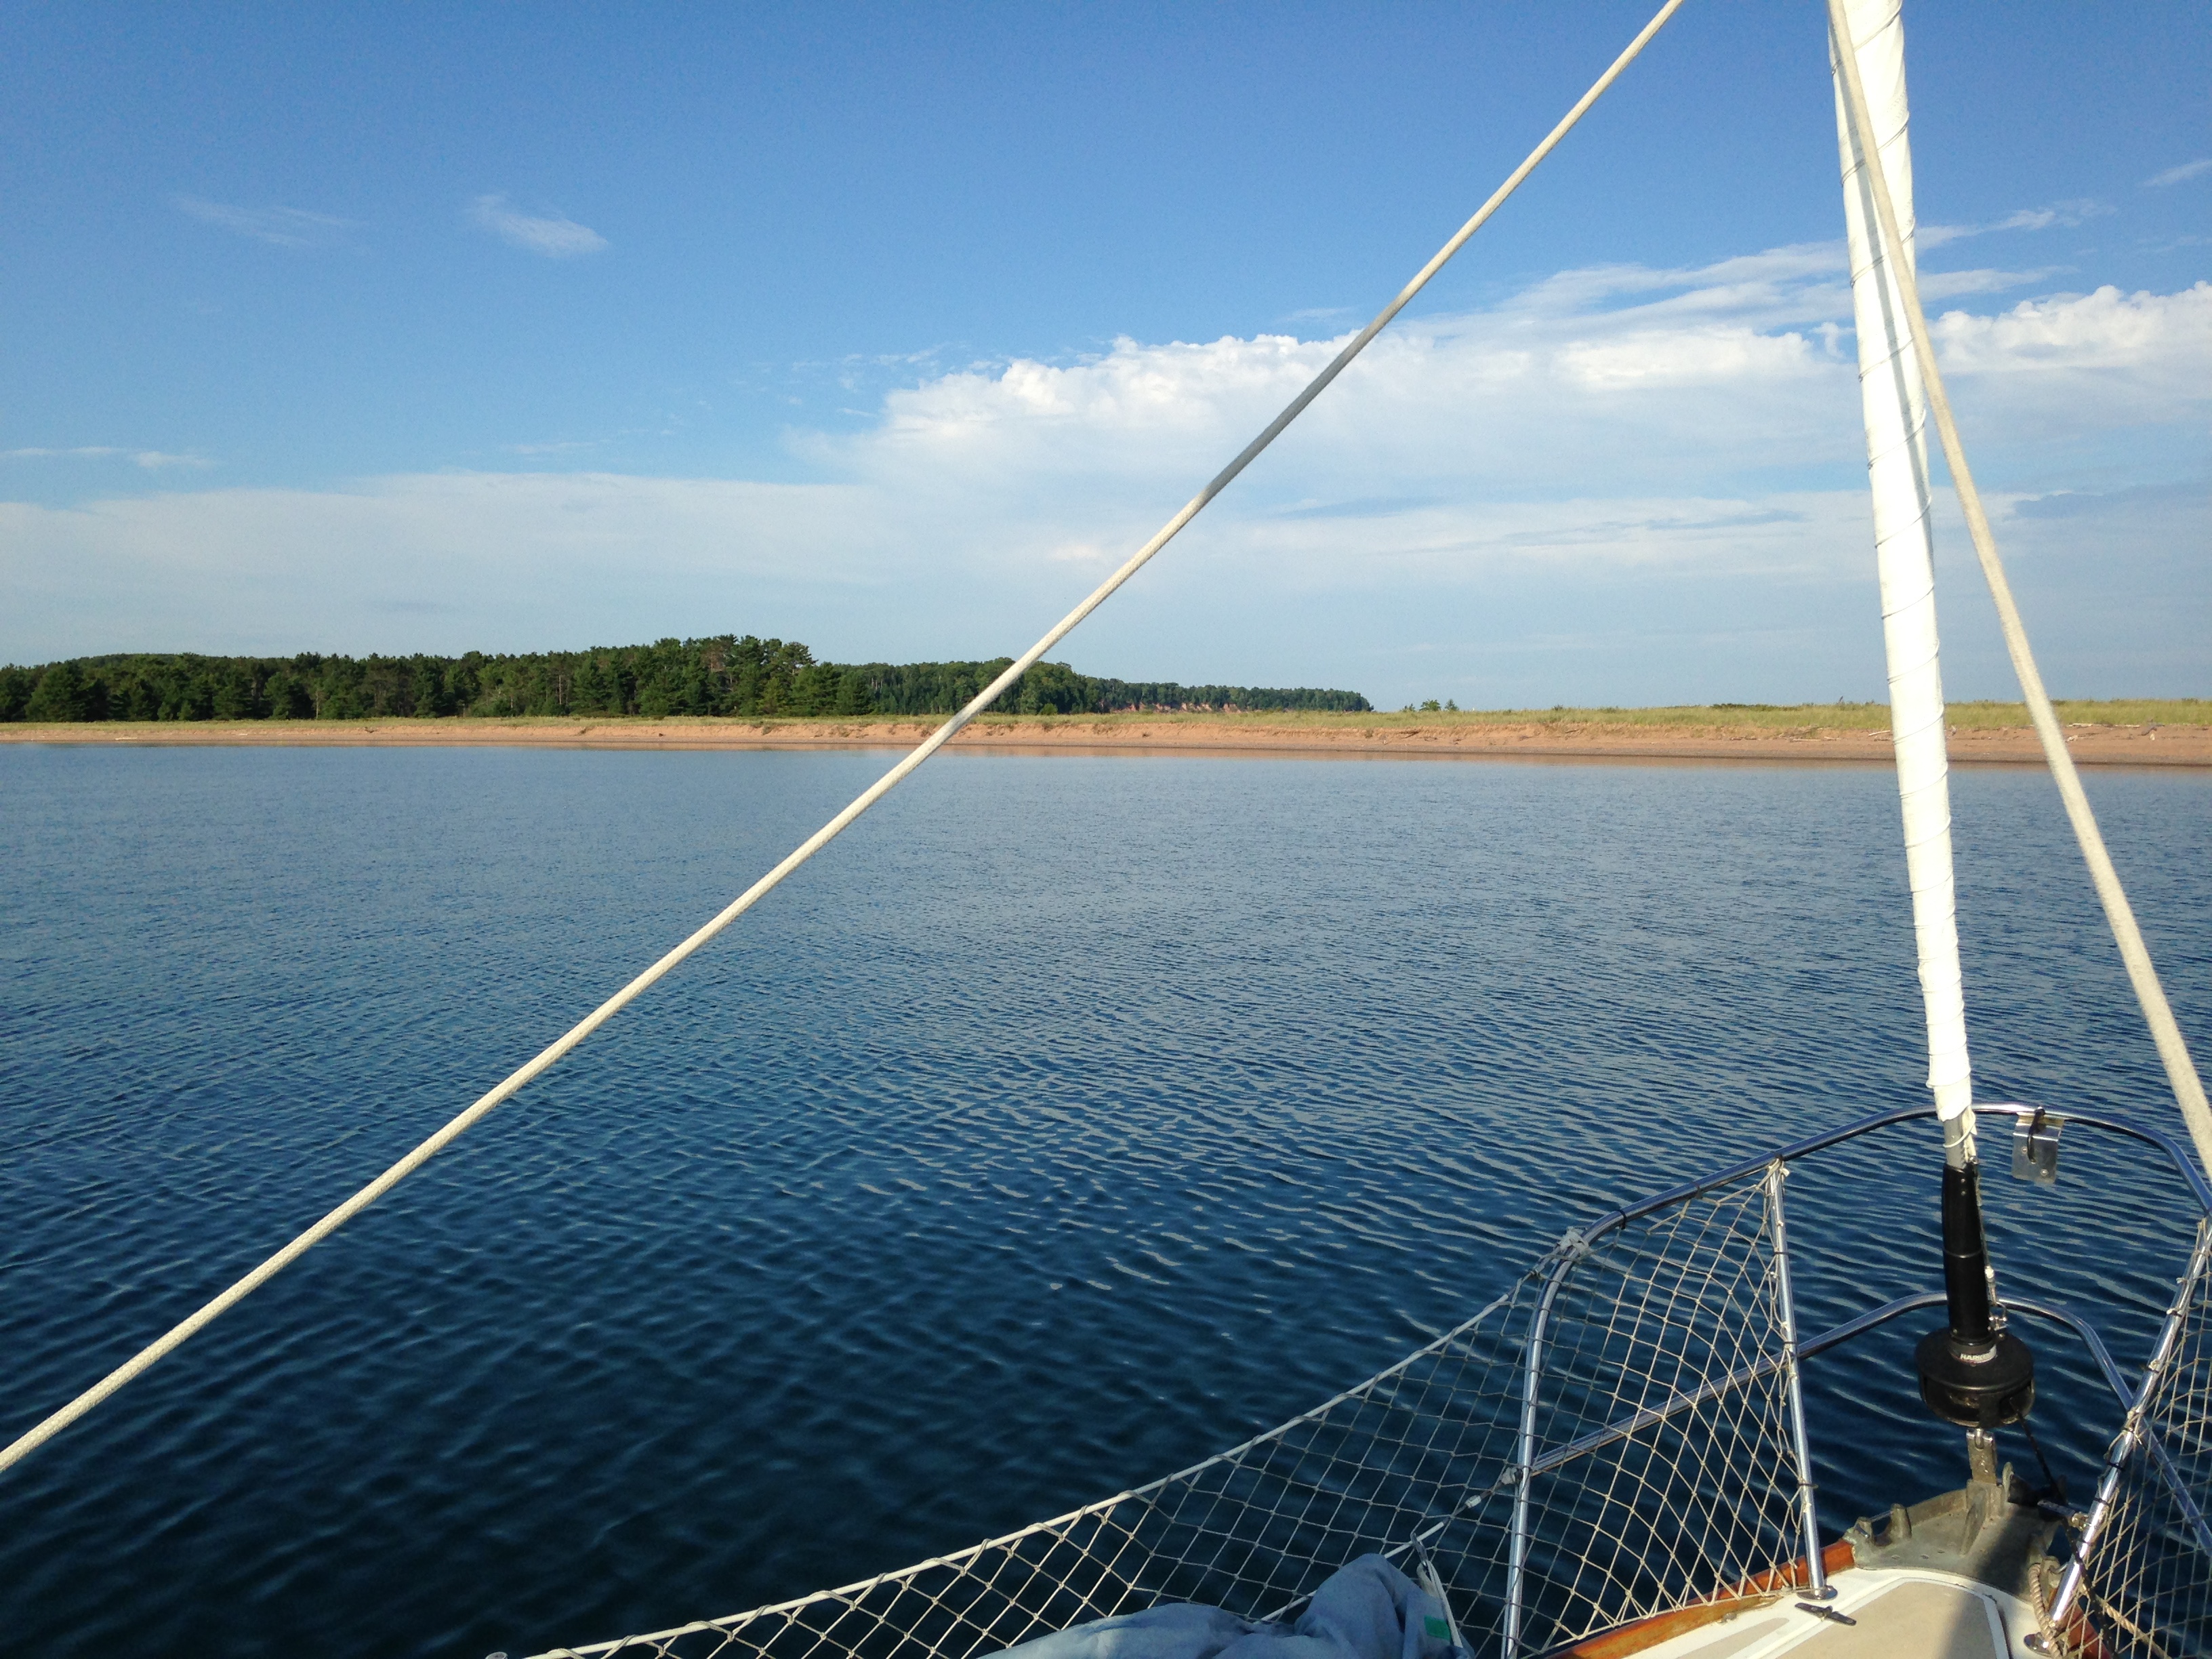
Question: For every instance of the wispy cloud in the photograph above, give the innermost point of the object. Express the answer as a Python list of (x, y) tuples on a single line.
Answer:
[(1938, 285), (2059, 216), (280, 227), (151, 460), (2186, 171), (554, 238)]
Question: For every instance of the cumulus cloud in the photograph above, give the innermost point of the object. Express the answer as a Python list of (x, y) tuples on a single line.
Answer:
[(2085, 363), (554, 238), (280, 226), (1658, 473), (2161, 337), (2181, 175), (1643, 378)]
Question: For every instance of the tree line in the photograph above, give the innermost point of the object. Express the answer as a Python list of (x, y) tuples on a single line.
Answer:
[(725, 675)]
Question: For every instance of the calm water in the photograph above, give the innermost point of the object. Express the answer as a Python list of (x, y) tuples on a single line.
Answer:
[(1070, 1119)]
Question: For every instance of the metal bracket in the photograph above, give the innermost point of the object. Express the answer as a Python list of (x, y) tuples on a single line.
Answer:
[(2035, 1147)]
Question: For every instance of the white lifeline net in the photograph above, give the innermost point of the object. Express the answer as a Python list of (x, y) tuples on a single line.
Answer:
[(1651, 1466), (2145, 1557)]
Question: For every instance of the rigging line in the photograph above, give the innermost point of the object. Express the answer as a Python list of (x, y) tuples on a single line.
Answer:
[(183, 1332), (2158, 1014)]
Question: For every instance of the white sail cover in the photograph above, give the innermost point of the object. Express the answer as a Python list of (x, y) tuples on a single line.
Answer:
[(1896, 459)]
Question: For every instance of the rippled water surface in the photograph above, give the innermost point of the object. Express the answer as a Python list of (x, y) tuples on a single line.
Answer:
[(1068, 1119)]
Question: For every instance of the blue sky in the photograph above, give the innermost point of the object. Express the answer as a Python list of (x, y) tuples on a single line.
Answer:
[(891, 328)]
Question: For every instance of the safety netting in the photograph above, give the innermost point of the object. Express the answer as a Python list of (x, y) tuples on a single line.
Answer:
[(2141, 1580), (1611, 1439)]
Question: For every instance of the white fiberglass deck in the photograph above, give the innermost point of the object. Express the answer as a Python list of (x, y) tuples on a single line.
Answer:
[(1895, 1613)]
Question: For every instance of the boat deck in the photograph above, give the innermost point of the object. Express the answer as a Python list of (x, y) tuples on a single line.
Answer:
[(1895, 1613)]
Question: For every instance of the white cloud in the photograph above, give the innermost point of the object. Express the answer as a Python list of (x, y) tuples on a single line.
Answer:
[(555, 239), (1659, 472), (282, 226), (1707, 376), (2186, 171), (2147, 335), (508, 557), (151, 460), (1937, 286), (2059, 216), (1714, 355), (2085, 363)]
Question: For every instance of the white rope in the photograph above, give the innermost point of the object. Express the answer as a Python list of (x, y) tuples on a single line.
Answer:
[(177, 1336), (2180, 1069)]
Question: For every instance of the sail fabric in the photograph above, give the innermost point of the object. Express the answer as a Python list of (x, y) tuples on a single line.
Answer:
[(1895, 406)]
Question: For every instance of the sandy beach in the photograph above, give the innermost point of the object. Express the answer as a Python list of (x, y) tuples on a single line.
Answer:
[(1981, 737)]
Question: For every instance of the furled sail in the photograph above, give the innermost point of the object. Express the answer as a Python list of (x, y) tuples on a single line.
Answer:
[(1895, 406)]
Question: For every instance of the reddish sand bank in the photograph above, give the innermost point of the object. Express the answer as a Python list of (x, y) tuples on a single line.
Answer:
[(1400, 735)]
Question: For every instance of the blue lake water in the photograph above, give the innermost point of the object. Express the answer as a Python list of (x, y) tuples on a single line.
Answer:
[(1068, 1119)]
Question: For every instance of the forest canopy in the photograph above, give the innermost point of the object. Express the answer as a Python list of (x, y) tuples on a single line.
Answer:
[(725, 675)]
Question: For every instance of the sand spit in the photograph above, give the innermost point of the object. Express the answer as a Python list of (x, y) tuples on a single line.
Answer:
[(1468, 737)]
